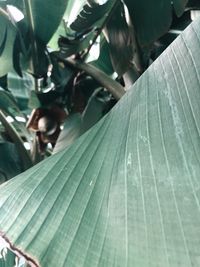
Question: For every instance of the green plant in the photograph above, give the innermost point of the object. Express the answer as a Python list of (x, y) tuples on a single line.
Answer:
[(126, 192)]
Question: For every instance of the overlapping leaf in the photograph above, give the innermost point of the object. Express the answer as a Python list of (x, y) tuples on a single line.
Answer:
[(151, 20), (179, 6), (45, 20), (127, 192), (91, 13), (10, 162), (7, 39), (9, 106), (121, 40), (43, 13), (72, 9)]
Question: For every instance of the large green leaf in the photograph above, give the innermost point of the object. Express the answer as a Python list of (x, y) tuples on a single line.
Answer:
[(122, 42), (127, 192), (41, 19), (152, 20), (46, 16), (7, 39)]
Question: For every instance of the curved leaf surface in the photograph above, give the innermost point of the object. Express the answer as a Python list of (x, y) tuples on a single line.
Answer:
[(71, 12), (47, 17), (127, 192), (91, 13), (7, 39), (121, 41), (151, 20), (70, 132)]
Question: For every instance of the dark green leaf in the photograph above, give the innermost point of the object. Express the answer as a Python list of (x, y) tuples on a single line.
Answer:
[(14, 135), (91, 13), (3, 41), (76, 124), (104, 63), (151, 20), (16, 56), (70, 132), (8, 32), (4, 82), (61, 74), (127, 192), (179, 6), (121, 41), (10, 163), (75, 45), (97, 107), (8, 258), (20, 88), (47, 17)]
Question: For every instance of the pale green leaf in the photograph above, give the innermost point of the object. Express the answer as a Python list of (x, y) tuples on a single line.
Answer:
[(127, 192), (6, 56)]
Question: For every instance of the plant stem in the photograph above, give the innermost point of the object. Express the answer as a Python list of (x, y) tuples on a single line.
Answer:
[(111, 85), (99, 30), (34, 48)]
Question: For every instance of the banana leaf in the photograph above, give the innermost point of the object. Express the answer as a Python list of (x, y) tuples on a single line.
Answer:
[(90, 14), (152, 20), (7, 39), (37, 16), (42, 14), (47, 17), (126, 193)]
